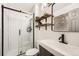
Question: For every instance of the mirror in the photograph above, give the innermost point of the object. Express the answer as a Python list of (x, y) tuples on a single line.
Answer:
[(67, 22)]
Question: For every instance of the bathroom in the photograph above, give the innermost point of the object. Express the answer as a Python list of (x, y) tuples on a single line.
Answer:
[(39, 30)]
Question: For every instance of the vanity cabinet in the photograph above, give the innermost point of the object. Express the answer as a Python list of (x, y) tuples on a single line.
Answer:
[(44, 52)]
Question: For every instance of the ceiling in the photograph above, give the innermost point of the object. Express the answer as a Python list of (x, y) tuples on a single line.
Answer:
[(26, 7)]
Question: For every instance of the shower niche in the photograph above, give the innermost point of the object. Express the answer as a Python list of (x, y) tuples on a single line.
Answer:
[(67, 22)]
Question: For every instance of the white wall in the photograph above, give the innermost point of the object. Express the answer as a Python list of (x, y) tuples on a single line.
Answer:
[(65, 9), (21, 6), (60, 6), (70, 37)]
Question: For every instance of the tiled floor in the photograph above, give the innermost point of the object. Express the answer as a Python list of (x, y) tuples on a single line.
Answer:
[(22, 54)]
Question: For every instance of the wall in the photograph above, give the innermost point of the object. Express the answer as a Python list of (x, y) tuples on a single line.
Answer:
[(21, 6), (70, 37)]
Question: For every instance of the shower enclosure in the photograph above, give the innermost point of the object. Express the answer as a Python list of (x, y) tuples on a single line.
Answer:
[(17, 31)]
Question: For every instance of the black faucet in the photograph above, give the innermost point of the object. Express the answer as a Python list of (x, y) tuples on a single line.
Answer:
[(61, 39)]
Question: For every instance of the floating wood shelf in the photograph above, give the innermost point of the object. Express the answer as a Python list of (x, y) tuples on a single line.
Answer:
[(44, 25), (45, 17), (42, 17)]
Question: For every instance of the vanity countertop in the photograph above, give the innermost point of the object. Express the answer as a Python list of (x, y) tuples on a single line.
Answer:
[(59, 49)]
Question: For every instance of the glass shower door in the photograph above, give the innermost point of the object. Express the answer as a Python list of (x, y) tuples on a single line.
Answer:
[(11, 28), (16, 37), (26, 37)]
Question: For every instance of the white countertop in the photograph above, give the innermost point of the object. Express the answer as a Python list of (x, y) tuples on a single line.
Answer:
[(59, 49)]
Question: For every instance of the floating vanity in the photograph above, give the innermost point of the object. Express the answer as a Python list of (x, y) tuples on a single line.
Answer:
[(58, 49)]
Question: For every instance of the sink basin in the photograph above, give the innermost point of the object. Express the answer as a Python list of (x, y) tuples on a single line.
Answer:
[(59, 49)]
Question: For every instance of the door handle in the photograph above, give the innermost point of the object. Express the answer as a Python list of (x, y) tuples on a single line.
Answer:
[(19, 32)]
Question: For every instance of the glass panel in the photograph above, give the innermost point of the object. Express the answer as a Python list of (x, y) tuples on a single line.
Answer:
[(16, 37), (26, 34)]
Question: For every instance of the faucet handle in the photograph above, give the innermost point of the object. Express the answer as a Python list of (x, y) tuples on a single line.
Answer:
[(60, 37)]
